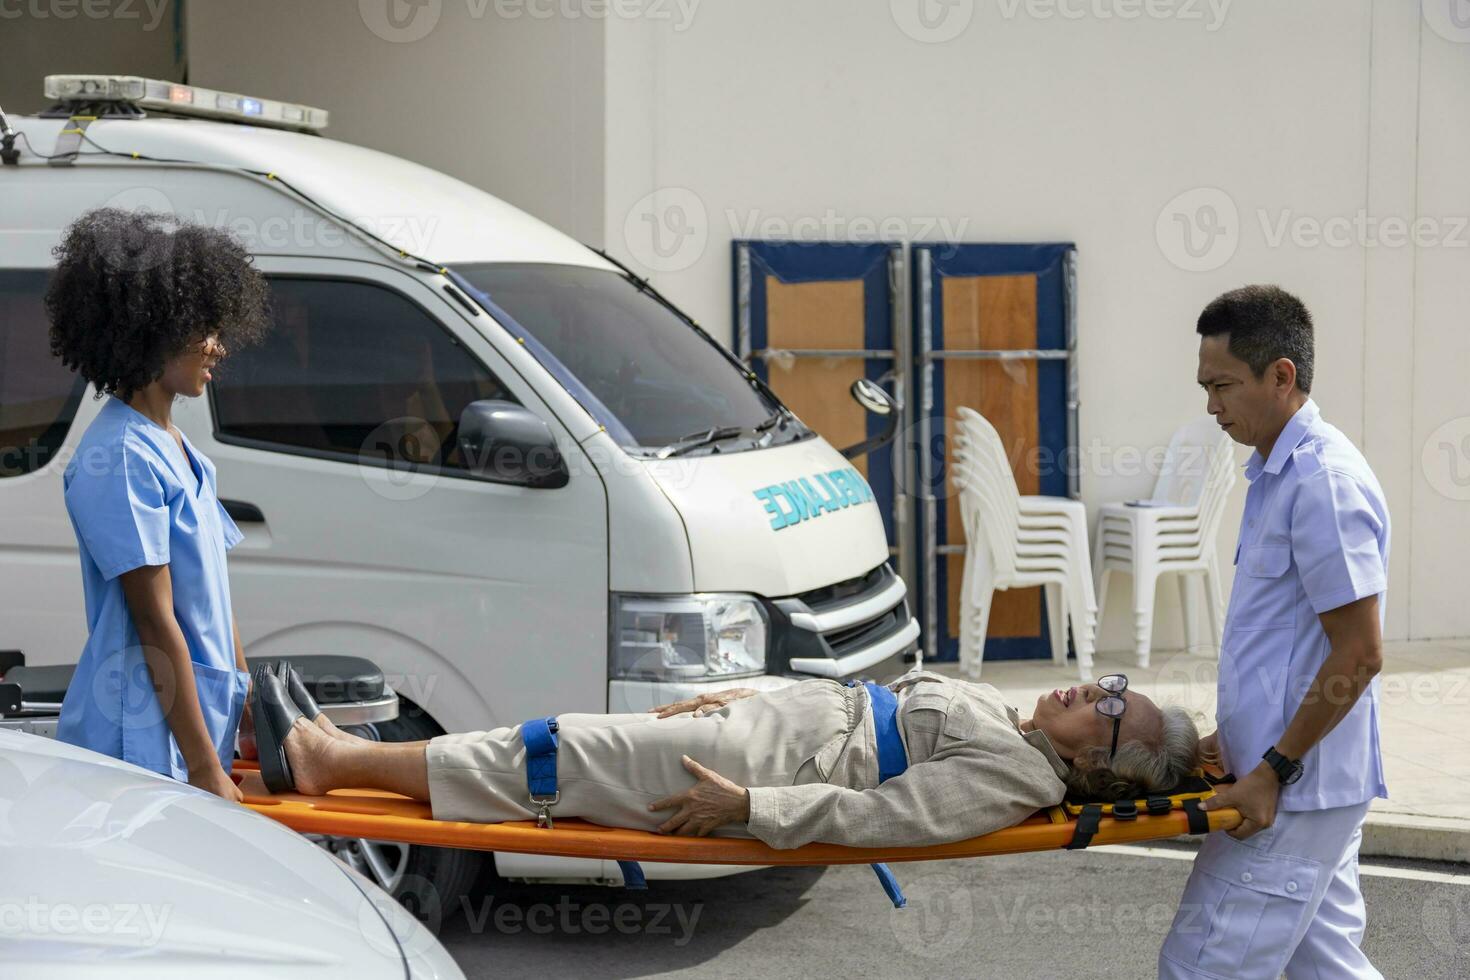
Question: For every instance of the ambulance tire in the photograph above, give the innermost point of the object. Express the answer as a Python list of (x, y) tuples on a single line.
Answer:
[(433, 882)]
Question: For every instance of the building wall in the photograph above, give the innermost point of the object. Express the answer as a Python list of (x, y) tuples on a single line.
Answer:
[(484, 91), (129, 37)]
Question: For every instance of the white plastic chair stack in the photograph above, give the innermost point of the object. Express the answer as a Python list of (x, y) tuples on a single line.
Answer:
[(1173, 532), (1015, 541)]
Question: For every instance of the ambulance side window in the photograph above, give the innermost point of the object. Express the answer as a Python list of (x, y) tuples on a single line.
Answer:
[(351, 369), (38, 395)]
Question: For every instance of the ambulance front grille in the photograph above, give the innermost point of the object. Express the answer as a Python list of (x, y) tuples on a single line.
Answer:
[(852, 615)]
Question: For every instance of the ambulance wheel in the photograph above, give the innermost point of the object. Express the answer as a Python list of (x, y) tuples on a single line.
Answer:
[(431, 882)]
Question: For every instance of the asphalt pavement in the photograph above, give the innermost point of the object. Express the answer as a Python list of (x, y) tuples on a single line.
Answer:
[(1101, 913)]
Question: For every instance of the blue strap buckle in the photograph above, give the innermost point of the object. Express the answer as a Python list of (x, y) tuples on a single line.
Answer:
[(892, 761), (539, 737)]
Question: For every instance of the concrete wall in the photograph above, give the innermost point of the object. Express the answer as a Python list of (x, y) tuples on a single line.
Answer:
[(1434, 346), (1268, 132), (66, 37), (506, 100)]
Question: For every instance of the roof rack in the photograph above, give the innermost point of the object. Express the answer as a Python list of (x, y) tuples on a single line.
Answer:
[(129, 96)]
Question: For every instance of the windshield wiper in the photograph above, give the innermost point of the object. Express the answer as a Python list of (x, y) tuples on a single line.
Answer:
[(781, 415), (695, 440)]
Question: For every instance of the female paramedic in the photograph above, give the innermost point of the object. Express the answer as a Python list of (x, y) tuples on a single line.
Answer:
[(144, 306), (923, 760)]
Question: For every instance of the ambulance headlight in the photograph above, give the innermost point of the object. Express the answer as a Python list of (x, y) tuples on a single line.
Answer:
[(703, 636)]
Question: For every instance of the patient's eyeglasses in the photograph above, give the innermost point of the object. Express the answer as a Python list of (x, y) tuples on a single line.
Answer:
[(1113, 705)]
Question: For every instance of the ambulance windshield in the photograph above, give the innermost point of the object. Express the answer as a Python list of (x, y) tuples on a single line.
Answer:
[(667, 387)]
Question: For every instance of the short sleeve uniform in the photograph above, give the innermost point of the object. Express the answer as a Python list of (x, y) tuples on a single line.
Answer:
[(135, 499), (1314, 536)]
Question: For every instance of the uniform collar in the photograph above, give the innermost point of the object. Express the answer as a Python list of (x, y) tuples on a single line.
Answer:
[(1037, 739), (1291, 436)]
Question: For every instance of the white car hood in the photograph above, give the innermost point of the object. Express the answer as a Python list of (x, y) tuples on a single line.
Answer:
[(733, 545), (106, 867)]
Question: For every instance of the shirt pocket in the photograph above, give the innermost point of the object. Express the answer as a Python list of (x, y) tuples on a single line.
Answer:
[(1241, 910), (959, 720), (1267, 595)]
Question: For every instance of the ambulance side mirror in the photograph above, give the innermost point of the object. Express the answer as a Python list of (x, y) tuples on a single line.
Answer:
[(871, 396), (507, 443)]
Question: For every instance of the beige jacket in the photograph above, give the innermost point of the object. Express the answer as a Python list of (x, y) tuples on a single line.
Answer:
[(970, 771)]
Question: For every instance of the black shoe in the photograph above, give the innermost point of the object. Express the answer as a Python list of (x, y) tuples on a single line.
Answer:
[(274, 713), (296, 688)]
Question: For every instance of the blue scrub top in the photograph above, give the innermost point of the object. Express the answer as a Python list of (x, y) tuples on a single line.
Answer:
[(134, 499)]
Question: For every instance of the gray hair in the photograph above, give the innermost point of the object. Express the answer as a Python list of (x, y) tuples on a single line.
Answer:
[(1139, 769)]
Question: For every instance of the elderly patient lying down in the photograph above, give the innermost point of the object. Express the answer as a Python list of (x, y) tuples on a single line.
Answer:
[(788, 766)]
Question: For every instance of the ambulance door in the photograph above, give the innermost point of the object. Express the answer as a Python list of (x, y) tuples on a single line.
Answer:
[(365, 531)]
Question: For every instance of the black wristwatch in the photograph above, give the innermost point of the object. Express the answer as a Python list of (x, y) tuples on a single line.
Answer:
[(1287, 770)]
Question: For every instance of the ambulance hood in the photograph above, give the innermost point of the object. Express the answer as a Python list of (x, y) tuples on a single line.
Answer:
[(776, 521)]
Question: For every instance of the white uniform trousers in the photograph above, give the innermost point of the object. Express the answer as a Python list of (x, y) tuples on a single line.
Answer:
[(1285, 899)]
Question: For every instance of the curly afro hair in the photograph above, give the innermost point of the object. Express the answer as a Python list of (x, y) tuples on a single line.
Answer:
[(133, 289)]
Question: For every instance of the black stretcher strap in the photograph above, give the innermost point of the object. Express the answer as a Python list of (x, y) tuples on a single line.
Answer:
[(1087, 824), (1199, 820)]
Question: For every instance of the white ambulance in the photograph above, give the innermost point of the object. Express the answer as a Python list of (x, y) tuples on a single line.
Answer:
[(483, 456)]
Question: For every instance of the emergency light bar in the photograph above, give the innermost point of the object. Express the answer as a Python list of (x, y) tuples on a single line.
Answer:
[(184, 100)]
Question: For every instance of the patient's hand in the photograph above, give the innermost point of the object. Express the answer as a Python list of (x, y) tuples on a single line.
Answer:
[(703, 704), (712, 802)]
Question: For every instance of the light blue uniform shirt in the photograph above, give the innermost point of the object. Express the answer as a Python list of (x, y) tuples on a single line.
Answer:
[(134, 499), (1314, 536)]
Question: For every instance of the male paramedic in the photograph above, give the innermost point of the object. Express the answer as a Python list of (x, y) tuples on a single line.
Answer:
[(1297, 719)]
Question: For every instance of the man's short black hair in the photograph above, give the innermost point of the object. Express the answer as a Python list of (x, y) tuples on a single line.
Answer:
[(134, 288), (1265, 323)]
